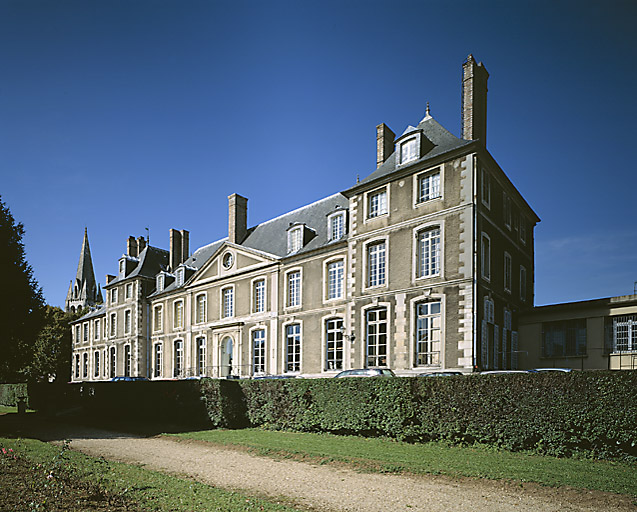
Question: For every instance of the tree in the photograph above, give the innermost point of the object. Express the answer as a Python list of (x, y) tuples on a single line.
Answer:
[(52, 349), (21, 301)]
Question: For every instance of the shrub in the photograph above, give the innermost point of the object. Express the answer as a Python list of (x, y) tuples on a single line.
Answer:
[(9, 393)]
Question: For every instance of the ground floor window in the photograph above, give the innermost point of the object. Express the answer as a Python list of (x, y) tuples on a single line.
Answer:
[(178, 366), (112, 363), (293, 348), (96, 364), (334, 344), (127, 361), (428, 333), (622, 331), (258, 351), (158, 360), (85, 365), (77, 366), (201, 356), (564, 338), (376, 337)]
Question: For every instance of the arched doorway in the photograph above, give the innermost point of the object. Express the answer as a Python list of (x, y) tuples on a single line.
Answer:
[(227, 353)]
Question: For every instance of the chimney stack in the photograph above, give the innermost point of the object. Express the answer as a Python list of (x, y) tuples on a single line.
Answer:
[(474, 100), (175, 249), (237, 218), (185, 245), (141, 244), (384, 143), (131, 247)]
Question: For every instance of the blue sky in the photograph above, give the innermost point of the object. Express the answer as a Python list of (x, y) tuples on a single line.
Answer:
[(122, 115)]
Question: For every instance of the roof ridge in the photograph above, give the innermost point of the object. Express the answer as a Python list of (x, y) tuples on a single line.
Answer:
[(299, 209)]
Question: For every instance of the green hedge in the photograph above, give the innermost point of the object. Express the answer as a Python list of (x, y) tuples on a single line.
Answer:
[(551, 413), (9, 393)]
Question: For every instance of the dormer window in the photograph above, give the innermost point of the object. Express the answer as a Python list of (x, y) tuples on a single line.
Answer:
[(336, 226), (295, 239), (180, 276), (160, 283), (122, 267), (408, 150)]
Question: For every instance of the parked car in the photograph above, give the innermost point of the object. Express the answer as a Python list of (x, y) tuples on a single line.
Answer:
[(538, 370), (496, 372), (439, 374), (263, 377), (366, 372), (128, 379)]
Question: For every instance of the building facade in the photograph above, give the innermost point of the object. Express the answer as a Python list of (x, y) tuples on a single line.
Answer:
[(426, 264)]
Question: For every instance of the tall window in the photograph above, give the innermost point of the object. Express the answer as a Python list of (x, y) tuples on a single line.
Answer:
[(113, 324), (293, 348), (85, 365), (295, 239), (96, 329), (564, 338), (96, 363), (429, 252), (259, 296), (129, 290), (127, 321), (428, 187), (77, 366), (428, 333), (178, 318), (624, 332), (522, 283), (113, 363), (158, 320), (486, 188), (160, 283), (127, 361), (227, 300), (522, 229), (336, 226), (85, 326), (201, 356), (486, 257), (178, 366), (335, 280), (180, 276), (507, 272), (158, 360), (294, 288), (376, 337), (258, 351), (114, 296), (506, 209), (376, 264), (78, 331), (201, 308), (334, 344), (377, 203), (408, 151)]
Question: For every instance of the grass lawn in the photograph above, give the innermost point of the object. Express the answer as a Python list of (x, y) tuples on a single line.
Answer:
[(108, 485), (384, 455)]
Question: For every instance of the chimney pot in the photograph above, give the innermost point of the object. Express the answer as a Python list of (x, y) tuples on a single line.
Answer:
[(175, 249), (384, 144), (237, 218), (474, 100), (131, 247), (141, 244), (185, 245)]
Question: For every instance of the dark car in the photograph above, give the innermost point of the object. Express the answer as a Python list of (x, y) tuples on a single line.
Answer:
[(366, 372), (128, 379)]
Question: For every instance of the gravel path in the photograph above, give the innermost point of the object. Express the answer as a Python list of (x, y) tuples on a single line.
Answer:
[(326, 488)]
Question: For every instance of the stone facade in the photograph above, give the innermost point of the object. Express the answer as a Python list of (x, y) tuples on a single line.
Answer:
[(424, 265)]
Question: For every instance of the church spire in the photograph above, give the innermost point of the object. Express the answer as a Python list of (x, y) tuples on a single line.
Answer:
[(83, 292)]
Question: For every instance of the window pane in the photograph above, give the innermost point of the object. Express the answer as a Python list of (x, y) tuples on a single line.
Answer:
[(376, 337)]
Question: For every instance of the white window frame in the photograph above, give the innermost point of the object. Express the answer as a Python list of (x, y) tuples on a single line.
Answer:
[(201, 313), (128, 321), (420, 177), (339, 339), (179, 277), (96, 364), (338, 285), (289, 303), (295, 239), (333, 232), (112, 362), (431, 357), (78, 333), (158, 314), (485, 259), (485, 189), (97, 324), (114, 296), (85, 334), (258, 367), (385, 266), (508, 272), (160, 282), (383, 209), (201, 353), (85, 365), (128, 294), (227, 302), (128, 360), (178, 322), (259, 297), (112, 331), (297, 354), (413, 155), (523, 282), (418, 256), (158, 360), (178, 358), (366, 335)]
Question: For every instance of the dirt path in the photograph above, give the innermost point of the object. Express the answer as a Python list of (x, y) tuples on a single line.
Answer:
[(325, 488)]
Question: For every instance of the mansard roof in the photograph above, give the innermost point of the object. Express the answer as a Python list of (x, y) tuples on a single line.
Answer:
[(151, 261), (443, 142)]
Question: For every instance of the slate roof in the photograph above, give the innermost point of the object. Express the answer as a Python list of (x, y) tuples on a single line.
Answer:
[(93, 313), (151, 261), (443, 141)]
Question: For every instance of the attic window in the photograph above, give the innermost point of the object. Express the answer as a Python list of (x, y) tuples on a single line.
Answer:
[(408, 151), (336, 226), (160, 283), (122, 267), (295, 239), (180, 276)]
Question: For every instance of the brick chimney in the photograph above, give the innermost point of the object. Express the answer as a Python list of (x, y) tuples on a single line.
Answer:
[(175, 249), (237, 218), (474, 100), (185, 245), (384, 144), (131, 247), (141, 244)]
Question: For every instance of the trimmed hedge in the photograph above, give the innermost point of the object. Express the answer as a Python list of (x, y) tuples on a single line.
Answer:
[(550, 413), (9, 393)]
